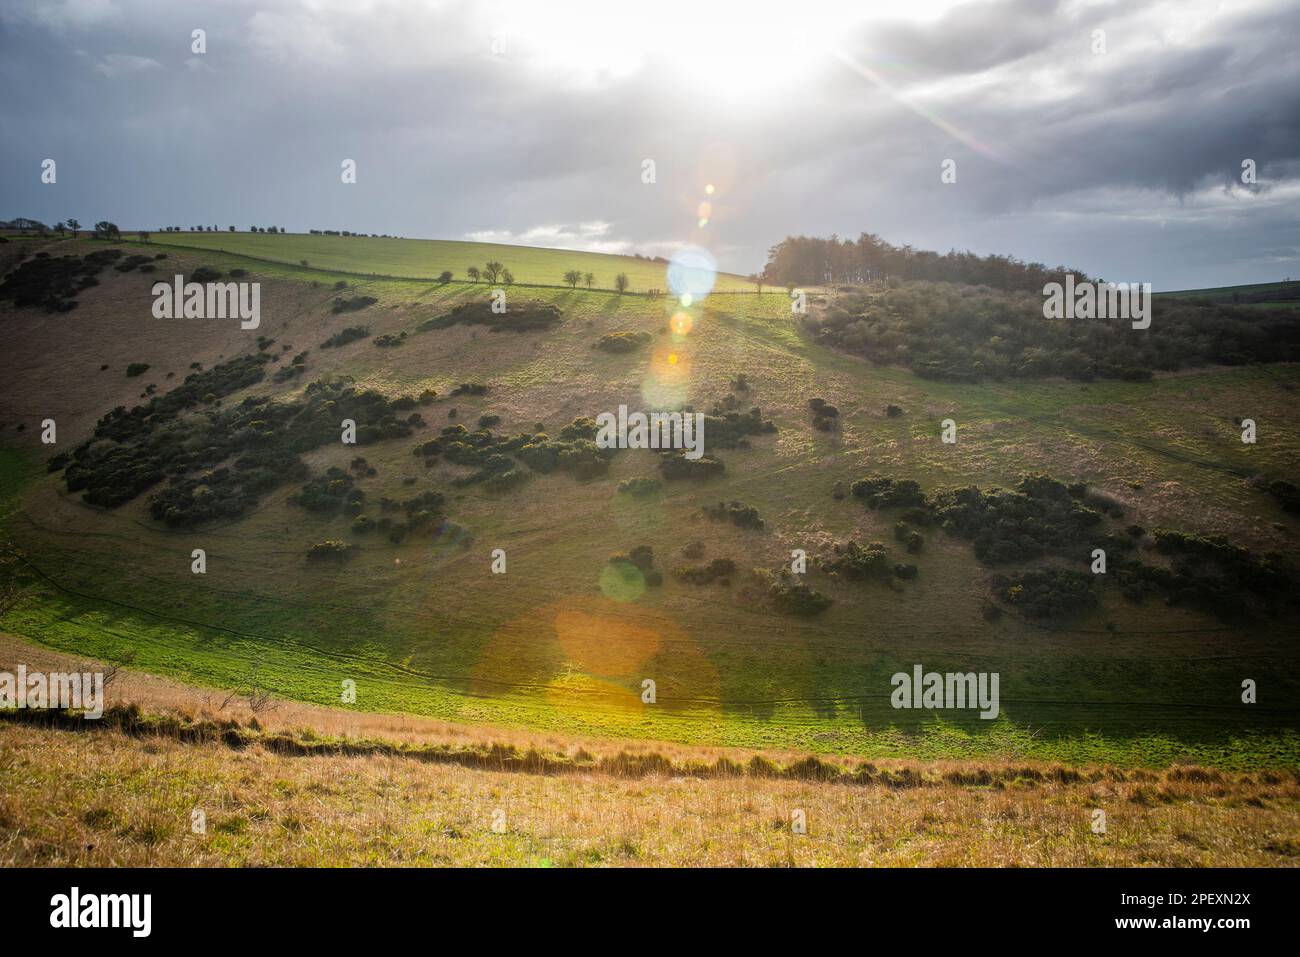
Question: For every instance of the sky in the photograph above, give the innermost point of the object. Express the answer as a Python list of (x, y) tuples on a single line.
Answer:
[(1105, 136)]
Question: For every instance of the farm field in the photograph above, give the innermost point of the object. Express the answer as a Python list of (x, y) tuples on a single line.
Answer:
[(1265, 294), (428, 258)]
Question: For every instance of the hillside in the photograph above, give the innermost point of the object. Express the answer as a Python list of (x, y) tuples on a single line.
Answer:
[(428, 258), (564, 639), (1263, 294), (307, 786)]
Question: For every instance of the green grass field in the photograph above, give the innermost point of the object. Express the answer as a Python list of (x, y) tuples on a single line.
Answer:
[(1270, 294), (428, 258), (426, 628)]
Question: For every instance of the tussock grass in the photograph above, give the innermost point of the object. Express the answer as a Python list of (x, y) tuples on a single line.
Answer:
[(271, 798)]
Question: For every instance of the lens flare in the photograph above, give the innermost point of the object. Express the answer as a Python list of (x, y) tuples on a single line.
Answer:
[(709, 189), (667, 384), (681, 323), (622, 581), (692, 272)]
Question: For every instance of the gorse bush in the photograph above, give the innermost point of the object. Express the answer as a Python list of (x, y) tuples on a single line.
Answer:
[(330, 494), (51, 283), (1047, 593), (674, 465), (623, 341), (719, 570), (860, 562), (494, 456), (789, 595), (353, 304), (740, 515), (219, 461), (973, 333), (330, 551), (342, 338), (640, 486)]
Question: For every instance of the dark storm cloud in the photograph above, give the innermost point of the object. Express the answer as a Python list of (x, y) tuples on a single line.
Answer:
[(1121, 163)]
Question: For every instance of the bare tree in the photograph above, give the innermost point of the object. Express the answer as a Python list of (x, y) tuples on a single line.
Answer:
[(473, 273), (620, 282), (259, 698), (573, 277), (589, 278)]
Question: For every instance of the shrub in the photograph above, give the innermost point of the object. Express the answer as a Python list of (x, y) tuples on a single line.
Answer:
[(330, 494), (720, 569), (793, 597), (622, 341), (674, 465), (350, 334), (639, 486), (968, 333), (910, 538), (330, 550), (888, 493), (504, 481), (136, 368), (354, 304), (860, 562), (742, 516)]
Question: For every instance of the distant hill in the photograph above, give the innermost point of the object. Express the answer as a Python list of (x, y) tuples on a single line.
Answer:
[(1255, 294), (428, 258)]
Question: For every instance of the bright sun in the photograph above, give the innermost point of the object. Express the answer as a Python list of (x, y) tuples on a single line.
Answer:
[(708, 49)]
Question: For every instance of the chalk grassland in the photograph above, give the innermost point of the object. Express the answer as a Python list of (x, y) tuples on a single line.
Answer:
[(264, 809), (306, 785), (428, 258), (424, 628)]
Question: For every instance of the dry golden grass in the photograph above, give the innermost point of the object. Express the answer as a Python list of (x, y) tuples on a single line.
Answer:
[(106, 798), (110, 800)]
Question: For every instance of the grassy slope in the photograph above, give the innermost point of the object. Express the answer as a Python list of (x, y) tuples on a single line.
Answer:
[(1263, 294), (262, 809), (425, 628), (427, 258), (416, 792)]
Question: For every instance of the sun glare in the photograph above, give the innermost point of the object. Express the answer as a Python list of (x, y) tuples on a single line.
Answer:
[(714, 50)]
